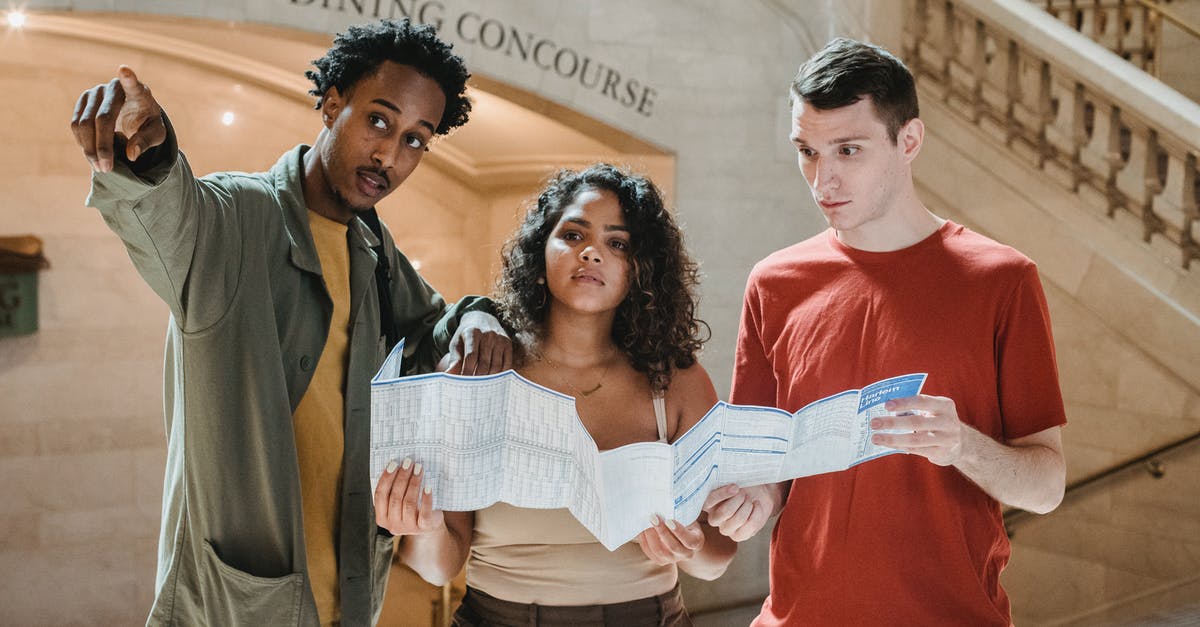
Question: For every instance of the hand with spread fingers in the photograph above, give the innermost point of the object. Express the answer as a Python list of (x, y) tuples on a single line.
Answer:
[(928, 426), (668, 542), (480, 346), (401, 505), (119, 114)]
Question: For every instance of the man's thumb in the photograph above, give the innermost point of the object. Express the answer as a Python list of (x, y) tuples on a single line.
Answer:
[(129, 81)]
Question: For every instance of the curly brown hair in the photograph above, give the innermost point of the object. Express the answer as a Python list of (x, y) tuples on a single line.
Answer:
[(656, 324)]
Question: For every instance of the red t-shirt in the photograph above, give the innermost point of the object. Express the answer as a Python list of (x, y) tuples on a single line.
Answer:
[(897, 540)]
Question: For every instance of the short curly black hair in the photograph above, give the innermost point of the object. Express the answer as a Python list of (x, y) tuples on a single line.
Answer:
[(656, 324), (361, 49)]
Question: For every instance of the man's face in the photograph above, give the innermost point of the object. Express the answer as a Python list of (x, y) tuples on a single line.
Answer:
[(851, 164), (378, 131)]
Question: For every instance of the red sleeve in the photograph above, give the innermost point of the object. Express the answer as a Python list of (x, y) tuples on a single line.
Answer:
[(753, 378), (1027, 381)]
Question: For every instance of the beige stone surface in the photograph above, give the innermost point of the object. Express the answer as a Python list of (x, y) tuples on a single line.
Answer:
[(81, 432)]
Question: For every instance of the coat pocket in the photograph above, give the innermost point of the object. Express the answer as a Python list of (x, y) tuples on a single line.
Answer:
[(380, 568), (234, 597)]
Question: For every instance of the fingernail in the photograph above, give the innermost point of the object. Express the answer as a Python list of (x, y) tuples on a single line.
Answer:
[(391, 467), (654, 520), (416, 470), (670, 524), (407, 463), (428, 489)]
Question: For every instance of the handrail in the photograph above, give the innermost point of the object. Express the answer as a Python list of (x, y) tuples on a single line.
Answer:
[(1085, 118), (1014, 518), (1142, 48), (1148, 461), (1171, 17)]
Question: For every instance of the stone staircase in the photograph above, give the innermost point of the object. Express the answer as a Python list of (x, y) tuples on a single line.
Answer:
[(1045, 140)]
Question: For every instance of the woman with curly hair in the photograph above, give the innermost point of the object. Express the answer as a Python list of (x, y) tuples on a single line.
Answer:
[(600, 291)]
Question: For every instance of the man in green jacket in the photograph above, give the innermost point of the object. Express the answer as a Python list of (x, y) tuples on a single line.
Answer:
[(275, 328)]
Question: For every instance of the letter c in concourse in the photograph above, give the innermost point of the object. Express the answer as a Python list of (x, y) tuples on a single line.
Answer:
[(537, 54)]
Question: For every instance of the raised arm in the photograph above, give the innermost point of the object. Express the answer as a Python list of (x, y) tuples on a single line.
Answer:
[(170, 222)]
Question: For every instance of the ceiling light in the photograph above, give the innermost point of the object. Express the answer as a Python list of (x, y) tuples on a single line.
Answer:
[(227, 118), (17, 19)]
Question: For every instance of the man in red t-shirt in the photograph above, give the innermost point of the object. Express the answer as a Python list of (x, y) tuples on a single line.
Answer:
[(890, 288)]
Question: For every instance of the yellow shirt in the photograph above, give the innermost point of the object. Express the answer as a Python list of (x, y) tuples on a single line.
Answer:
[(318, 424)]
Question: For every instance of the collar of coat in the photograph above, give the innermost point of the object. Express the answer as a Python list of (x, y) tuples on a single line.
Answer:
[(287, 173)]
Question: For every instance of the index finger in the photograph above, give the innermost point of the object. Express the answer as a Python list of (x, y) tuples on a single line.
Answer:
[(920, 402), (383, 489), (690, 536), (899, 423), (483, 354), (470, 357), (105, 116), (83, 127), (718, 495)]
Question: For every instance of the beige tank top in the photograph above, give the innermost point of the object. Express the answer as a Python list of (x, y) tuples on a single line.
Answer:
[(547, 557)]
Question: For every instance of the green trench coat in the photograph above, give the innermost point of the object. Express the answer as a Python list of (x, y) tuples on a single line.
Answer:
[(233, 257)]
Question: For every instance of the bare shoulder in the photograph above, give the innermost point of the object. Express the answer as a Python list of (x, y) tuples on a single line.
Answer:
[(689, 397), (691, 381)]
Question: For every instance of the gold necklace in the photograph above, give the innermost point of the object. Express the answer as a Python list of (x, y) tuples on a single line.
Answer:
[(578, 392)]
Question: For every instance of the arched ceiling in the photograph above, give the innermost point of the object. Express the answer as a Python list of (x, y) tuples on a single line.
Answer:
[(511, 139)]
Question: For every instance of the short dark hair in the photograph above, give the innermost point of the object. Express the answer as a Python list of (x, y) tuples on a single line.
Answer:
[(845, 71), (656, 324), (361, 49)]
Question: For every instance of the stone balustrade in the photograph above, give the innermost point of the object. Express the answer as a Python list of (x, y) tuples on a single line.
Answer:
[(1129, 28), (1073, 108)]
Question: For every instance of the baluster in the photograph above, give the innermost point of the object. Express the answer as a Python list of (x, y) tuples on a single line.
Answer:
[(1097, 11), (949, 49), (979, 70), (1188, 202), (1015, 94), (1153, 41), (1152, 186), (1079, 135), (1121, 30), (1046, 115), (1115, 157), (920, 26)]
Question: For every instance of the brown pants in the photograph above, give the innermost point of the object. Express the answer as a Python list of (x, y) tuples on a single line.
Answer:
[(478, 609)]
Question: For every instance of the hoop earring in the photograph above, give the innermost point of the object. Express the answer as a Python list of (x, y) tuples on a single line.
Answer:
[(542, 302)]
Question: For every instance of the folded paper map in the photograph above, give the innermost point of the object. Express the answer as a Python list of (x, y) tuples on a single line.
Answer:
[(504, 438)]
